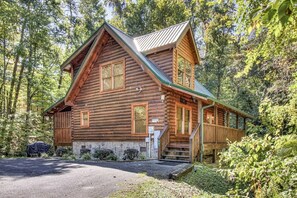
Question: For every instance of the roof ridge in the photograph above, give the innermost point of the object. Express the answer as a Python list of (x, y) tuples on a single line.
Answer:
[(160, 30), (119, 30)]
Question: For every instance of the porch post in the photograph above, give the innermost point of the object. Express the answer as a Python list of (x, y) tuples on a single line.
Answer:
[(228, 119), (236, 121), (216, 121), (244, 124)]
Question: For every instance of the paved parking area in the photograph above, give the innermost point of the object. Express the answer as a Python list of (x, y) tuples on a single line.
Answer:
[(37, 177)]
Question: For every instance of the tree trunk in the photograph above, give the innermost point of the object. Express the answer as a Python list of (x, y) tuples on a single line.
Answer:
[(16, 62)]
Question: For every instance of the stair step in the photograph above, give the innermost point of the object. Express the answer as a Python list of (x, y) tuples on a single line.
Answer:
[(172, 160), (179, 146), (181, 156), (176, 150)]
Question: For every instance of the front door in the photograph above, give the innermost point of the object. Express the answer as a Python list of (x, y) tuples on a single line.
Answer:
[(183, 120)]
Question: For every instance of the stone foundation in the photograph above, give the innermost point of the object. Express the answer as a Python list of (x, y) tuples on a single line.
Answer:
[(117, 147)]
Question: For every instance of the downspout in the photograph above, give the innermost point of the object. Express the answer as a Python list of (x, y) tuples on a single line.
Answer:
[(202, 129)]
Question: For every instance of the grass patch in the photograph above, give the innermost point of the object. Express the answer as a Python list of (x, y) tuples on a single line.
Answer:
[(207, 179), (153, 188)]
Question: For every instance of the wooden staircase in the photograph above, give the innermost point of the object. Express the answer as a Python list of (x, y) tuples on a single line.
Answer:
[(176, 151)]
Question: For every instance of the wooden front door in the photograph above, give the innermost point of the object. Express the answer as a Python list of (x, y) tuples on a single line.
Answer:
[(183, 120)]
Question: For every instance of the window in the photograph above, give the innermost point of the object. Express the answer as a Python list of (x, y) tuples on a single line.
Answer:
[(139, 118), (112, 75), (84, 118), (183, 120), (184, 72), (209, 117)]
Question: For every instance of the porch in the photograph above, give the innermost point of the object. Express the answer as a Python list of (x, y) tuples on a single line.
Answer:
[(220, 125)]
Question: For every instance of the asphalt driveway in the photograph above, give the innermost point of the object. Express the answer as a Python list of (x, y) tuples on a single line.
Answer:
[(37, 177)]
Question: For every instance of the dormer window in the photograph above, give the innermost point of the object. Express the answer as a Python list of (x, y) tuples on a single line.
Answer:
[(184, 75)]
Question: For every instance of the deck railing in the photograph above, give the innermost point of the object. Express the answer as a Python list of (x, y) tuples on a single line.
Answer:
[(194, 143), (220, 134), (163, 140)]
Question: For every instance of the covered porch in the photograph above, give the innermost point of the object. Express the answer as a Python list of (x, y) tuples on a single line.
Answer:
[(220, 125)]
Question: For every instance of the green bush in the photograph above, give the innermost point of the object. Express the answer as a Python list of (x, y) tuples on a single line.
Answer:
[(68, 156), (44, 155), (130, 154), (102, 154), (86, 156), (62, 151), (207, 179), (262, 167), (112, 157)]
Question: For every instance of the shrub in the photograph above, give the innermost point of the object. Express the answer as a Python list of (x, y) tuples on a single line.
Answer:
[(61, 151), (44, 155), (86, 156), (84, 151), (263, 167), (130, 154), (102, 154), (142, 157), (67, 156), (112, 157)]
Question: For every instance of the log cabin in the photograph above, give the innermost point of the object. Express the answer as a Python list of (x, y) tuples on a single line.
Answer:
[(141, 93)]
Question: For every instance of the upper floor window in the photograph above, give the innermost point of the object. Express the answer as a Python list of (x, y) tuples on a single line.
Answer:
[(112, 75), (184, 74)]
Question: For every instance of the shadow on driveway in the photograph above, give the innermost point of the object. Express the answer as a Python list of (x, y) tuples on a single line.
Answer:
[(32, 167)]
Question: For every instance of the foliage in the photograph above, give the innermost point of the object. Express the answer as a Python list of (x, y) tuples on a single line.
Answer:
[(112, 157), (145, 16), (44, 156), (86, 156), (207, 179), (60, 151), (102, 154), (37, 129), (263, 167), (68, 156), (35, 37), (130, 154), (84, 150)]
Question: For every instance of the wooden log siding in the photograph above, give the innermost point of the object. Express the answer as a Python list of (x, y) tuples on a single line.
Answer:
[(163, 60), (173, 97), (62, 128), (110, 112)]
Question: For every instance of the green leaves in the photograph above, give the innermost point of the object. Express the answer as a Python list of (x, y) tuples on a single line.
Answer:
[(267, 170)]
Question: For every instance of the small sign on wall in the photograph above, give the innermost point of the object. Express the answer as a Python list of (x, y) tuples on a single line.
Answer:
[(155, 120)]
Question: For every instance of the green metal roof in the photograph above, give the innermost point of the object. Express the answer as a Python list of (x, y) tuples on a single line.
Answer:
[(130, 42)]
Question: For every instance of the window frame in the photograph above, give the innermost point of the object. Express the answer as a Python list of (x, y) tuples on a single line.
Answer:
[(81, 118), (145, 104), (183, 106), (184, 71), (112, 63)]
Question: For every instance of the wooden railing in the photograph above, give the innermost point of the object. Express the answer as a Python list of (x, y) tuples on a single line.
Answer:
[(194, 143), (220, 134), (163, 140)]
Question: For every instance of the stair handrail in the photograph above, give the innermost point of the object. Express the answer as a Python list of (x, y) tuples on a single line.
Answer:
[(194, 143), (163, 140)]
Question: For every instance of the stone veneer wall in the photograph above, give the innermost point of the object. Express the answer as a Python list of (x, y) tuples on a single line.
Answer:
[(117, 147)]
